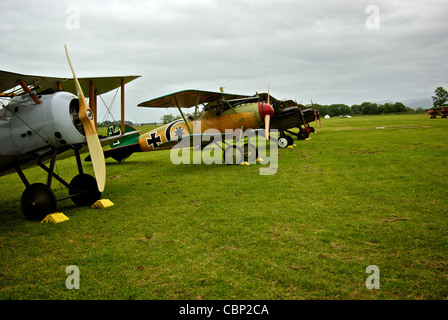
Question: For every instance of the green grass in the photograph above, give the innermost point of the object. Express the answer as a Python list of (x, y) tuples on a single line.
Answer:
[(351, 197)]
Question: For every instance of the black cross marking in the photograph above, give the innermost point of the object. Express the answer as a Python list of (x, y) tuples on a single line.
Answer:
[(155, 141)]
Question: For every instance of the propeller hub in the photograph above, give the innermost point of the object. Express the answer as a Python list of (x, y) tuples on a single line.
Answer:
[(265, 109), (89, 114)]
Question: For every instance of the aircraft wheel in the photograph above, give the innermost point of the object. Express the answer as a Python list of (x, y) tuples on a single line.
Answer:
[(302, 135), (290, 140), (87, 187), (38, 200), (233, 155), (250, 152), (283, 142), (312, 130)]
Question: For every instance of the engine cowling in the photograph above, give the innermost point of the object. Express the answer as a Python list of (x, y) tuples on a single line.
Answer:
[(54, 122)]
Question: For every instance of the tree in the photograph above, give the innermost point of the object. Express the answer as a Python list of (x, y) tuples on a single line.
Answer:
[(339, 110), (399, 107), (441, 96), (167, 118), (356, 109), (420, 110), (388, 108), (369, 108)]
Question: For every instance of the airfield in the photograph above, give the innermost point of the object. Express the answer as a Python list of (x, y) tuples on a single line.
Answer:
[(366, 190)]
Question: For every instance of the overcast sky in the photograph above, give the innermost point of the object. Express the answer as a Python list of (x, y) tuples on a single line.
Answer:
[(329, 51)]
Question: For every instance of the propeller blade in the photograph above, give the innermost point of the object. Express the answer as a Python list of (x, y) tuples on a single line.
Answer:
[(267, 120), (303, 118), (93, 142), (268, 94), (315, 117)]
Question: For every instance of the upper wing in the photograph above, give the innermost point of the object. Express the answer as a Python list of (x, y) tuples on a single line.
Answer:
[(9, 80), (102, 84), (188, 99)]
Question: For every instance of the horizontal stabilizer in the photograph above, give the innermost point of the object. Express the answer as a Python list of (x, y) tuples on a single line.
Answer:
[(120, 154)]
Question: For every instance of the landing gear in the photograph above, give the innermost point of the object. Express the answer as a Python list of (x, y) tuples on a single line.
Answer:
[(84, 190), (233, 155), (39, 200), (283, 142), (309, 129), (302, 135)]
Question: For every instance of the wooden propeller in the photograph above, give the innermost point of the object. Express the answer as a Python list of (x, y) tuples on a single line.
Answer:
[(315, 116), (93, 142), (267, 120)]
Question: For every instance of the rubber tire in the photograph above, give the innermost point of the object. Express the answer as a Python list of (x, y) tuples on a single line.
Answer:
[(85, 184), (302, 135), (290, 140), (38, 200), (282, 142)]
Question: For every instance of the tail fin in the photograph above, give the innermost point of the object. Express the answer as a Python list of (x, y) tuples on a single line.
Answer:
[(115, 130), (121, 149)]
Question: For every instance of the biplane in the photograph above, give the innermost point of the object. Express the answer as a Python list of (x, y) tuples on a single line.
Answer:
[(44, 119), (222, 112), (290, 114)]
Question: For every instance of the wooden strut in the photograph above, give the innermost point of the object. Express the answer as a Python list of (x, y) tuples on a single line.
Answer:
[(122, 106), (28, 90), (52, 174), (50, 170), (183, 116)]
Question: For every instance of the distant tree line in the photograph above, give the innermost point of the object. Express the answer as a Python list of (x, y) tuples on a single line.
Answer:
[(364, 108), (440, 98), (167, 118)]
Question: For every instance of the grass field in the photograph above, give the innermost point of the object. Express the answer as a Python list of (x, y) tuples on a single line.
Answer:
[(370, 190)]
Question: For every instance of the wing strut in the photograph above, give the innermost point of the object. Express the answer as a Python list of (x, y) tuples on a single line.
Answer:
[(183, 116), (229, 104), (197, 104), (122, 105)]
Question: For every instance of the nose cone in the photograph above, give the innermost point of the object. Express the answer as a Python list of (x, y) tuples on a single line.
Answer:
[(265, 110)]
